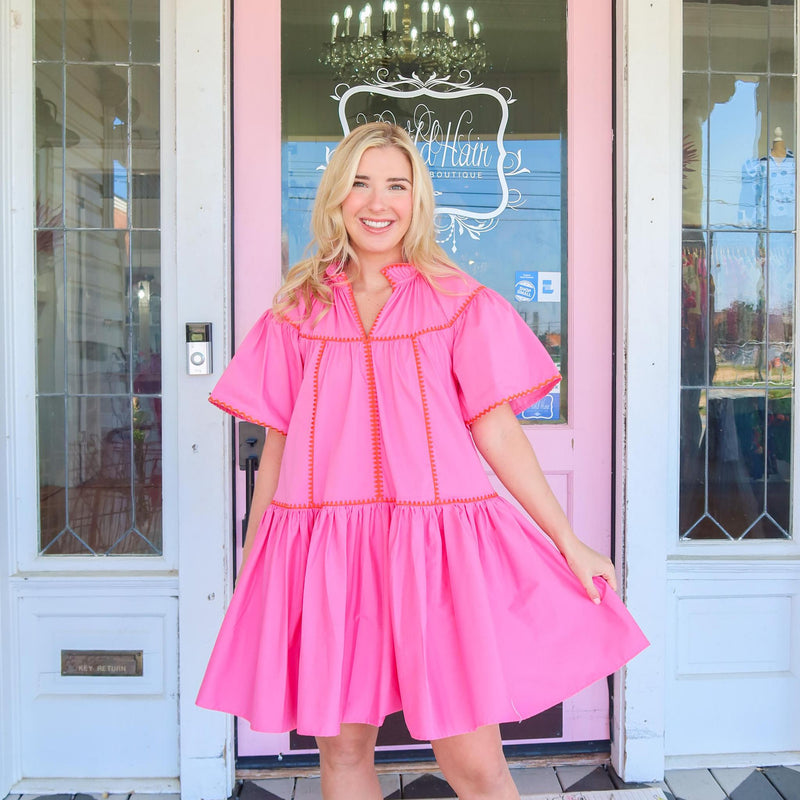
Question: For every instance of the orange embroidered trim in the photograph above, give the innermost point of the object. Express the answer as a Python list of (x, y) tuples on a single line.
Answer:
[(433, 328), (382, 501), (241, 414), (313, 425), (375, 431), (450, 502), (388, 277), (332, 504), (427, 417), (551, 381), (389, 337)]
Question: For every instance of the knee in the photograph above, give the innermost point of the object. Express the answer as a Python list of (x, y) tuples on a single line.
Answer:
[(349, 750), (479, 775), (484, 778)]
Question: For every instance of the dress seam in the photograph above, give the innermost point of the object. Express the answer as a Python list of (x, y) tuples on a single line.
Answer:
[(313, 424), (383, 501), (374, 420), (426, 415), (236, 412)]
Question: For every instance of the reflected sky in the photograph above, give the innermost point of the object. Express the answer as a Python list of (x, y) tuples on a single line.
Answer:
[(526, 237)]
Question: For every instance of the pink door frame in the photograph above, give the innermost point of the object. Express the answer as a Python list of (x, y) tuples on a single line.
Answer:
[(575, 456)]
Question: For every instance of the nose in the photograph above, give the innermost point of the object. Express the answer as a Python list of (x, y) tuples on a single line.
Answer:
[(375, 199)]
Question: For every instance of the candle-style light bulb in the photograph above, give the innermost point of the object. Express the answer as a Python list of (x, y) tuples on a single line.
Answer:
[(476, 29), (334, 26), (348, 13), (436, 7), (470, 18), (452, 22), (425, 9), (414, 35), (368, 19)]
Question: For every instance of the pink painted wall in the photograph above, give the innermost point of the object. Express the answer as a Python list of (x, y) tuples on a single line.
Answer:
[(256, 205), (257, 157)]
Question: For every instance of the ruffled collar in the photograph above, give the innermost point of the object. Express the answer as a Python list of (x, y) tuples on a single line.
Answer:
[(394, 273), (334, 273)]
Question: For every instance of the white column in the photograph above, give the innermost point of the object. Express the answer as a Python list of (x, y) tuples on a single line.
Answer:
[(648, 334), (17, 340), (202, 247)]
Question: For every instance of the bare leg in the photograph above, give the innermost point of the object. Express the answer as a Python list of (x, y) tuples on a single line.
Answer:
[(475, 766), (347, 764)]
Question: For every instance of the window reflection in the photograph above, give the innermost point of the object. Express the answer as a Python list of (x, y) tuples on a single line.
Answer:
[(737, 352), (511, 232)]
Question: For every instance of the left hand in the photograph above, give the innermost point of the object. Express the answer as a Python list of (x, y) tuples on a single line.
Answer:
[(586, 563)]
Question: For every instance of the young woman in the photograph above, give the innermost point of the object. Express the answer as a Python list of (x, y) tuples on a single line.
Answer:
[(380, 570)]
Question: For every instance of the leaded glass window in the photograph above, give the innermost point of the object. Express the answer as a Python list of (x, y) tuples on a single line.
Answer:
[(98, 277), (738, 269)]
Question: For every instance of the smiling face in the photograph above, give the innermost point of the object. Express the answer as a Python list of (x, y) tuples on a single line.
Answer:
[(377, 211)]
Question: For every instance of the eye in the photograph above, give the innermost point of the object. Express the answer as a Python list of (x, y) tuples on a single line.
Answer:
[(359, 184), (399, 186)]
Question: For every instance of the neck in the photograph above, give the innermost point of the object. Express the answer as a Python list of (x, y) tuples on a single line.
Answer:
[(367, 271), (778, 149)]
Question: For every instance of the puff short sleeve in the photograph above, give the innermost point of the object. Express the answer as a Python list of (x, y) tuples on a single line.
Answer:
[(262, 380), (497, 358)]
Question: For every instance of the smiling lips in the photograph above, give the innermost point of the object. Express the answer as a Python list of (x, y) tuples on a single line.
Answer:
[(376, 224)]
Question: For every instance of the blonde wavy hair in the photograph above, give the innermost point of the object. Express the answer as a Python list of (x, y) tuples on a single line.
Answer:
[(330, 243)]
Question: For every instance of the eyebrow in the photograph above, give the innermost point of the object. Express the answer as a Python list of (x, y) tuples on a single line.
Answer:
[(388, 180)]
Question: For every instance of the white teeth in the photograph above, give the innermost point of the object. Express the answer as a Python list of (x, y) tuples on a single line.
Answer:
[(371, 223)]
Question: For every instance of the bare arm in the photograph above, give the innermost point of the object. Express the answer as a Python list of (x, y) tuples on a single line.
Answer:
[(502, 442), (266, 482)]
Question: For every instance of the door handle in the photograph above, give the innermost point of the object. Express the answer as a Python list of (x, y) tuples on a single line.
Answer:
[(251, 445)]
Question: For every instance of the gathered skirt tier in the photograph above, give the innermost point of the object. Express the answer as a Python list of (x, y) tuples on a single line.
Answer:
[(460, 614)]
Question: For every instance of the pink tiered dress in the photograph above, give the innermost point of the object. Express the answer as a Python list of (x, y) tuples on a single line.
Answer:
[(387, 573)]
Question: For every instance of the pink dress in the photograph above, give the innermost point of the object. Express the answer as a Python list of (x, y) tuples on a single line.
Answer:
[(387, 573)]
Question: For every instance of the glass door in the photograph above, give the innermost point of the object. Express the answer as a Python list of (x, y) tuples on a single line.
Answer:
[(510, 106)]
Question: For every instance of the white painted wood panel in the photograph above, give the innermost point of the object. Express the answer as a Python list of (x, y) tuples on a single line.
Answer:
[(734, 669), (116, 727), (728, 635), (203, 437)]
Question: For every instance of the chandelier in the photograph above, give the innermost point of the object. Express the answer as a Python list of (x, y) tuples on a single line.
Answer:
[(359, 49)]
